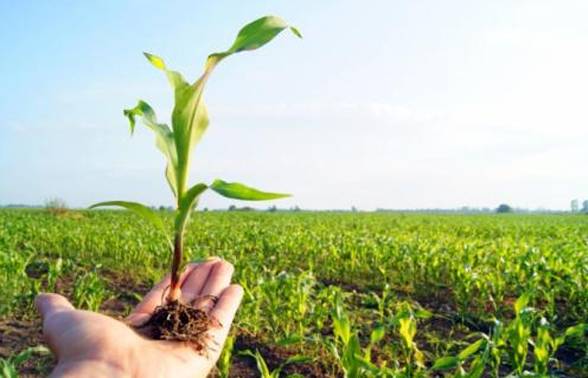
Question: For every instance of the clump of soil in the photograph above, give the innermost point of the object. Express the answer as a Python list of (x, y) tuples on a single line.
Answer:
[(177, 322)]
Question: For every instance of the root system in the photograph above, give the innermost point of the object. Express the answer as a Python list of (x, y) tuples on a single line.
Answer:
[(177, 322)]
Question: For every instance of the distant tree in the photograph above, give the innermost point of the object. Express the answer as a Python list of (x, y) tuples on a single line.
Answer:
[(162, 208), (585, 206), (232, 208), (272, 209), (504, 208), (353, 209), (575, 205), (56, 206)]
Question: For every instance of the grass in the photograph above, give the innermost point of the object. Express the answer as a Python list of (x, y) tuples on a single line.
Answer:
[(328, 294)]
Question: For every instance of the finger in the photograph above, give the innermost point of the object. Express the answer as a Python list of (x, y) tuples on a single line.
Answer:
[(195, 282), (48, 304), (137, 319), (227, 305), (218, 279), (154, 297)]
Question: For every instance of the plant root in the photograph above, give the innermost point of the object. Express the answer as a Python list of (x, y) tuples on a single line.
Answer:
[(177, 322)]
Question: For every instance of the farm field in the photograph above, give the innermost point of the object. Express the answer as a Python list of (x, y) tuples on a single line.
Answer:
[(327, 294)]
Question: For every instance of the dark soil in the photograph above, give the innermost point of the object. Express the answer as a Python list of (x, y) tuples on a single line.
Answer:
[(178, 322), (274, 356), (345, 286), (18, 335), (129, 292)]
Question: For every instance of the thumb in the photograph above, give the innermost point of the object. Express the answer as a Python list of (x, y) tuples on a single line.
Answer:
[(48, 304)]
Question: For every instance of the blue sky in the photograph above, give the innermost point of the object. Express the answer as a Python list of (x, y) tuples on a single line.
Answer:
[(397, 104)]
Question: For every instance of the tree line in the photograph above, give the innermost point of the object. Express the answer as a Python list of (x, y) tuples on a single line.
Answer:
[(575, 206)]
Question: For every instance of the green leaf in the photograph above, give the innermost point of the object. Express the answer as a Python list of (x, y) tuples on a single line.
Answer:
[(471, 349), (353, 348), (298, 359), (446, 363), (236, 190), (477, 368), (407, 330), (377, 334), (28, 353), (155, 60), (423, 314), (7, 369), (164, 139), (260, 362), (189, 121), (257, 33), (296, 31), (175, 78), (187, 204), (365, 364), (139, 209), (576, 331), (290, 340), (190, 116), (521, 303)]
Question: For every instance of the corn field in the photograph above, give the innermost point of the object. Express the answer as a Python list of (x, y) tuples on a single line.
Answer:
[(328, 294)]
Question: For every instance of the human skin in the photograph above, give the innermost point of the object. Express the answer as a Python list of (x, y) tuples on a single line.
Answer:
[(88, 344)]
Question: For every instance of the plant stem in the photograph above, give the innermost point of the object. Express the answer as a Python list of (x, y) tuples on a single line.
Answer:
[(175, 292)]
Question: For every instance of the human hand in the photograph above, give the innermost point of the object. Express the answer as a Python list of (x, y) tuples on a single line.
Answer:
[(89, 344)]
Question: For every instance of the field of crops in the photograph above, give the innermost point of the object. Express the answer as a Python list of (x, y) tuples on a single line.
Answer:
[(328, 294)]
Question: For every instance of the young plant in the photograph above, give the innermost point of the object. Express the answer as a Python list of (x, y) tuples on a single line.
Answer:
[(519, 332), (9, 366), (477, 365), (263, 368), (224, 362), (189, 121), (407, 328), (346, 348), (546, 344)]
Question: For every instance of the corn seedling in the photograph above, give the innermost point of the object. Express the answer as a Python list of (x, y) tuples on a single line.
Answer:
[(9, 366), (407, 328), (89, 291), (224, 361), (519, 333), (189, 122), (264, 369), (353, 359), (514, 339), (453, 362), (382, 301)]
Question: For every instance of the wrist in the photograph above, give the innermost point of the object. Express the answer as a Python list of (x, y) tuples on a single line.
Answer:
[(89, 368)]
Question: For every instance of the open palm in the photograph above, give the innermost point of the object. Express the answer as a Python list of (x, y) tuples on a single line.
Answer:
[(94, 345)]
